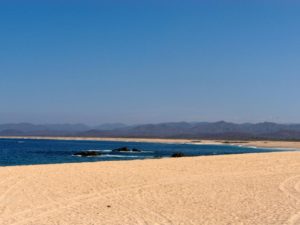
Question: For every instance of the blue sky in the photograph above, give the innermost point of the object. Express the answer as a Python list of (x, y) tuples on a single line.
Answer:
[(149, 61)]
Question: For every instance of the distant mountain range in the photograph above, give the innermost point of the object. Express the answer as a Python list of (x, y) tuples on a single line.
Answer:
[(196, 130)]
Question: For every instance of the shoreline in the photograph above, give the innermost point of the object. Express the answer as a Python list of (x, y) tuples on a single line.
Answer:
[(292, 145), (248, 189)]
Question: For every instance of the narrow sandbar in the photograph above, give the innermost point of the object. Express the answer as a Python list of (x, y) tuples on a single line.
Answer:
[(261, 143)]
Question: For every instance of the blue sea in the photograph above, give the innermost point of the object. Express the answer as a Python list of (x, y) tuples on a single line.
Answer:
[(29, 151)]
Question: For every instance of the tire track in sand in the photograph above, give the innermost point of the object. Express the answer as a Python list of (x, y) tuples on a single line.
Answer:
[(13, 189), (291, 187), (47, 209), (147, 217)]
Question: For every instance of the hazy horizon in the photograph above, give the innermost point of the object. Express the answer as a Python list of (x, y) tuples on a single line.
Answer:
[(139, 62), (137, 124)]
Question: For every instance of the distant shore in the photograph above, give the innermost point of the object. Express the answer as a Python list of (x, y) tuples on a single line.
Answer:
[(261, 143)]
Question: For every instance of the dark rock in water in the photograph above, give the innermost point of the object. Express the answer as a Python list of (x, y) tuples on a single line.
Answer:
[(123, 149), (126, 149), (177, 154), (87, 153)]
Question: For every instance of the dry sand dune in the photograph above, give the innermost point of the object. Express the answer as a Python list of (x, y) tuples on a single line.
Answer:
[(235, 189)]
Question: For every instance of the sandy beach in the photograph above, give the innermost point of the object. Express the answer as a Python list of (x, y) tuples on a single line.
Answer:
[(234, 189)]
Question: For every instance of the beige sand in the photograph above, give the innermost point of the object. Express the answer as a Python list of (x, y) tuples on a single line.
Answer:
[(265, 144), (235, 189)]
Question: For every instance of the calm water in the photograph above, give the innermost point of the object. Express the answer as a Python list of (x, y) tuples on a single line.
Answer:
[(27, 152)]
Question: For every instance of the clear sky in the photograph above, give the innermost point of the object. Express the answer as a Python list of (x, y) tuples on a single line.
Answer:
[(149, 61)]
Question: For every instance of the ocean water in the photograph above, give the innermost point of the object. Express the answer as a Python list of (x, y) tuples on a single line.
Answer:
[(30, 151)]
